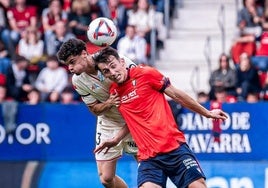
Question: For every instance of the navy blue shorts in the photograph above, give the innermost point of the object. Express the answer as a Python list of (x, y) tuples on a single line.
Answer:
[(180, 165)]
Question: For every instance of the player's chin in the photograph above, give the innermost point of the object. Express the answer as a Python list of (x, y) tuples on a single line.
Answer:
[(77, 73), (119, 80)]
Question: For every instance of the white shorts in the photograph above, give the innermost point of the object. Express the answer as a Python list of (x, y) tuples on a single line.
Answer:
[(107, 130)]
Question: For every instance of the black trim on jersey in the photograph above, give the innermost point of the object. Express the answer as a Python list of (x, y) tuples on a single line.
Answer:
[(165, 85), (85, 95), (131, 66)]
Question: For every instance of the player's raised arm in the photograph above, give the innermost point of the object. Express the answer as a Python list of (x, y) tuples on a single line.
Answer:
[(188, 102)]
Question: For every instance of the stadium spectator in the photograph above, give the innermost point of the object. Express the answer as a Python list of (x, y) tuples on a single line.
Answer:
[(55, 39), (145, 18), (142, 17), (264, 91), (67, 96), (118, 13), (202, 97), (20, 17), (79, 18), (265, 17), (151, 123), (97, 8), (133, 46), (31, 46), (67, 6), (4, 5), (52, 14), (4, 59), (249, 26), (33, 97), (224, 76), (221, 95), (250, 18), (241, 44), (9, 113), (51, 80), (252, 97), (247, 78), (18, 81), (9, 107), (260, 60), (159, 5), (3, 93)]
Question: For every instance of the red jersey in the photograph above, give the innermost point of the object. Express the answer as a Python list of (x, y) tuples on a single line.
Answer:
[(22, 17), (147, 112), (263, 49)]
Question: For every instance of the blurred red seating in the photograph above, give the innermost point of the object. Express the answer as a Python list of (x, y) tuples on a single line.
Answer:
[(262, 77), (128, 3), (2, 79)]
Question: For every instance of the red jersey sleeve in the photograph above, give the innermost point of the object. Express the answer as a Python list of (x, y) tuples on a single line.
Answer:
[(156, 79)]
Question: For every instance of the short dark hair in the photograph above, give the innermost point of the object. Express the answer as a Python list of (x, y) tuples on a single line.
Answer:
[(20, 58), (71, 47), (103, 56), (220, 89), (52, 58)]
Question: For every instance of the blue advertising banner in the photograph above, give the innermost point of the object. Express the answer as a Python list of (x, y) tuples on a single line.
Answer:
[(50, 132), (67, 132), (83, 174), (243, 135), (219, 175)]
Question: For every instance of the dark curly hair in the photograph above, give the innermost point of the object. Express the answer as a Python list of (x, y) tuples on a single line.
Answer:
[(103, 56), (72, 47)]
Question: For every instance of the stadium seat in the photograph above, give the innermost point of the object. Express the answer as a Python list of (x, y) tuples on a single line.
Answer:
[(128, 3)]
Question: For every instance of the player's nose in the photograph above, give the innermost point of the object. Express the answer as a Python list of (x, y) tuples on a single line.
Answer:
[(70, 67), (112, 72)]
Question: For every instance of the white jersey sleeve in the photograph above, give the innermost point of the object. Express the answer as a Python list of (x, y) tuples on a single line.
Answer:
[(81, 87), (96, 88), (129, 62)]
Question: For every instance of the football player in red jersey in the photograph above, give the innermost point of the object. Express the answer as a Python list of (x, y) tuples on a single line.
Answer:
[(162, 148)]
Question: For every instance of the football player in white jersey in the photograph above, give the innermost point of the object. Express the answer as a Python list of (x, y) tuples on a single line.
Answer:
[(93, 88)]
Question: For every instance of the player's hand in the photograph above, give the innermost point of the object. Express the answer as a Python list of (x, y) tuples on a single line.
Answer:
[(218, 114), (106, 146), (114, 100)]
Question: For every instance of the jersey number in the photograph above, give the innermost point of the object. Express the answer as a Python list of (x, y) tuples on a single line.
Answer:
[(98, 139)]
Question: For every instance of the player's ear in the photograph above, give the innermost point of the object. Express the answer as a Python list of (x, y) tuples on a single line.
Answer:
[(122, 61), (84, 53)]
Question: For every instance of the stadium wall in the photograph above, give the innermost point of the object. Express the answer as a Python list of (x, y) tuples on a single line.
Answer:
[(53, 144)]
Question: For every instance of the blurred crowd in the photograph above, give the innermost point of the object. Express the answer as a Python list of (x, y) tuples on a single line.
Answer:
[(242, 75), (31, 32)]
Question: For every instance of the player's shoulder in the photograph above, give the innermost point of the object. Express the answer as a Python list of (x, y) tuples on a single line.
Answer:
[(129, 62), (78, 80), (143, 69), (75, 78)]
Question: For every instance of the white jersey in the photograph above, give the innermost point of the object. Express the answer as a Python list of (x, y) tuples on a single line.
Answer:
[(96, 88)]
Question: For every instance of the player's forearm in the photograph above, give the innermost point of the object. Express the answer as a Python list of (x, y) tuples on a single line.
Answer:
[(186, 101), (195, 106), (100, 108)]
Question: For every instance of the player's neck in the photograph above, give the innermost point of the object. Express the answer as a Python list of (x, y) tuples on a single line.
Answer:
[(92, 72)]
